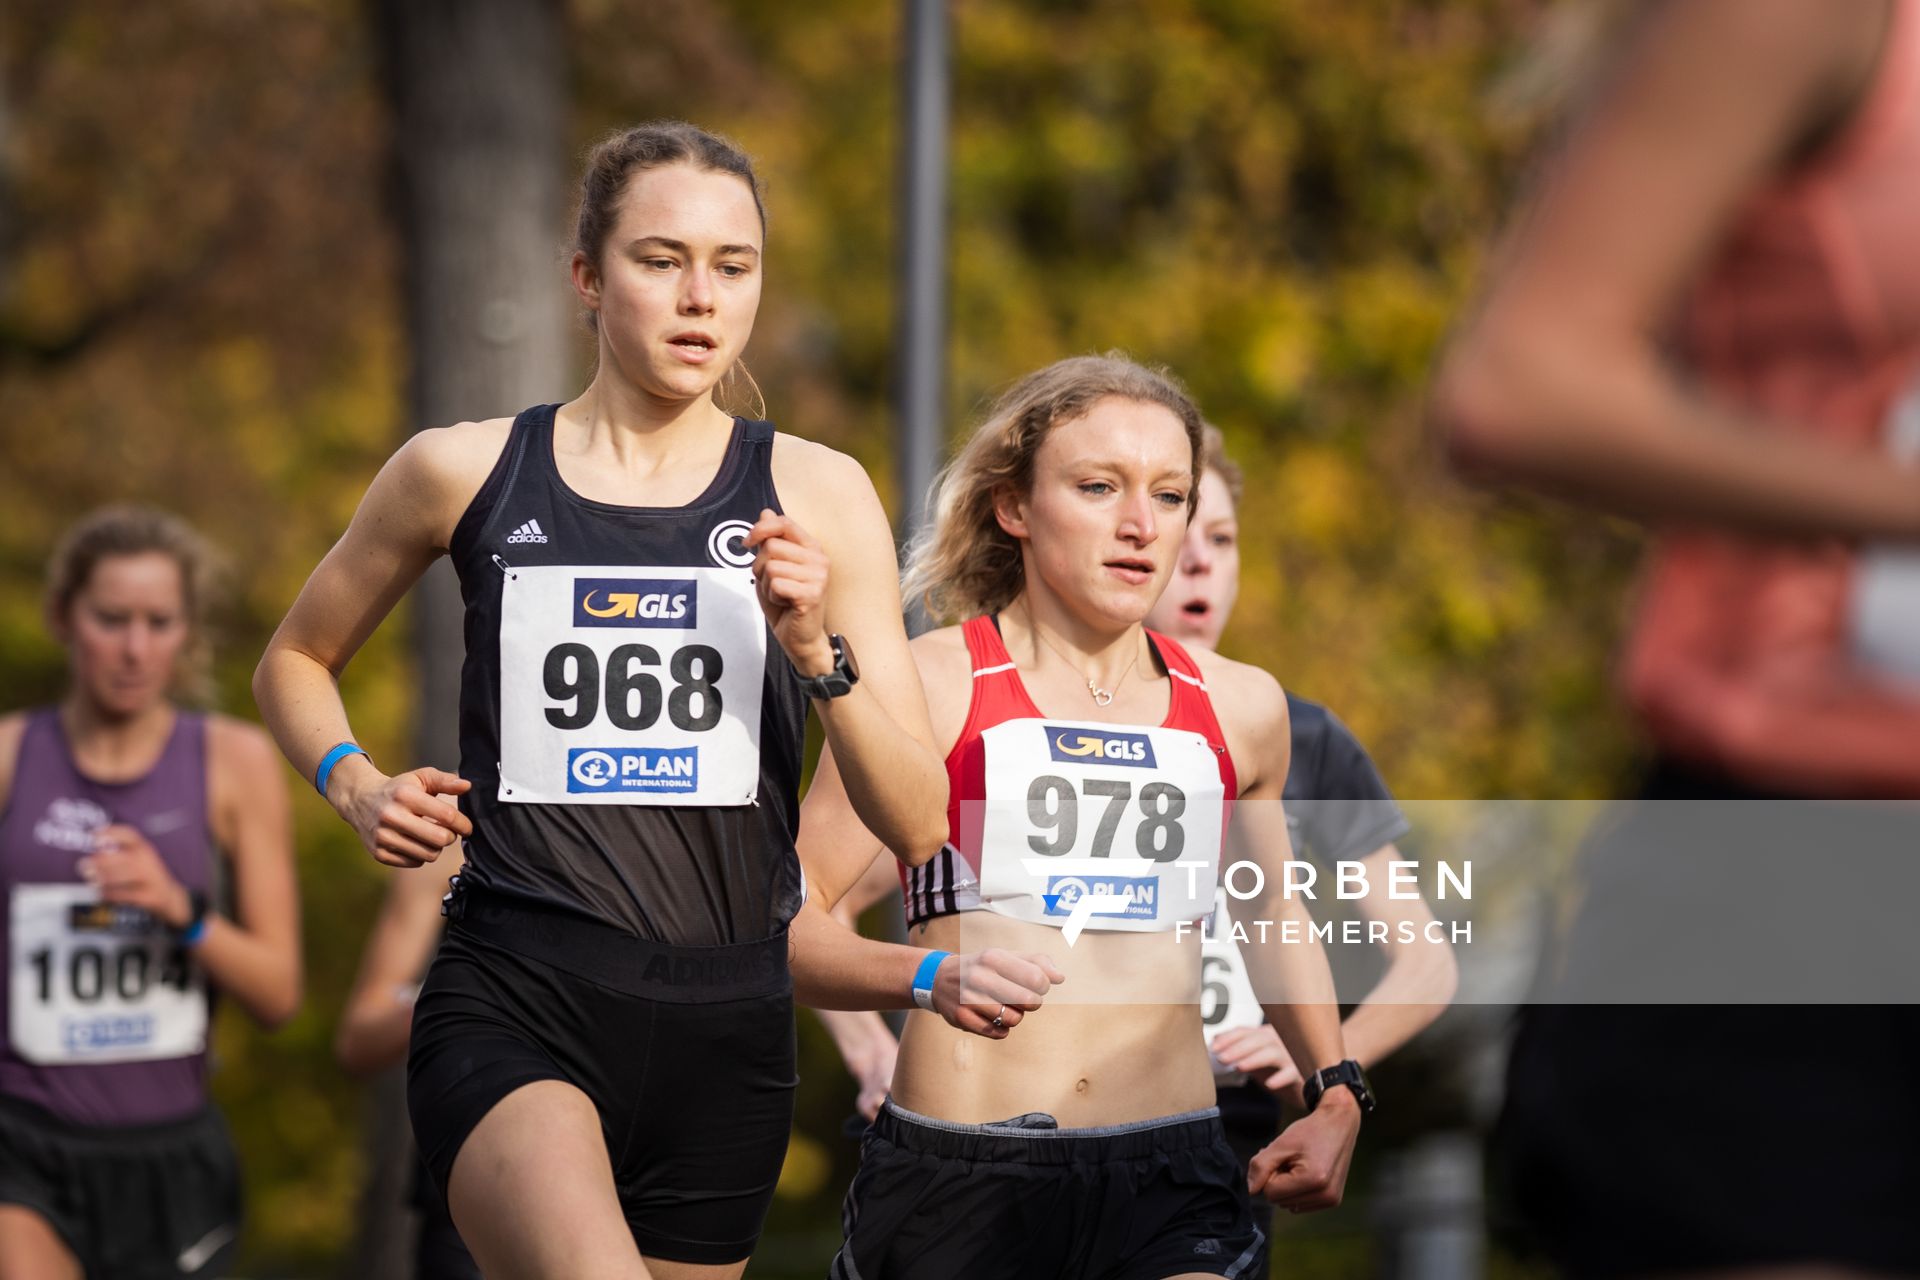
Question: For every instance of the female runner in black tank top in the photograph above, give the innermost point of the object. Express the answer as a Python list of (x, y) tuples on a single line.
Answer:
[(601, 1066)]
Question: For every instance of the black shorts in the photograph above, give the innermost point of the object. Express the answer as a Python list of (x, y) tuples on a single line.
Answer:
[(1650, 1138), (1022, 1198), (1250, 1116), (132, 1203), (687, 1053)]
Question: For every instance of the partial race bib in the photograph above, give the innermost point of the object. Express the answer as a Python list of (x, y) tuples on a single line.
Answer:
[(1886, 584), (92, 982), (636, 686), (1226, 994), (1104, 826)]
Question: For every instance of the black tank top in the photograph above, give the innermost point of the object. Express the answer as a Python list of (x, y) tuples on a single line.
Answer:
[(607, 720)]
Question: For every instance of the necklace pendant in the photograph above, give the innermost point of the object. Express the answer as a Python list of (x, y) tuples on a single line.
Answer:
[(1100, 696)]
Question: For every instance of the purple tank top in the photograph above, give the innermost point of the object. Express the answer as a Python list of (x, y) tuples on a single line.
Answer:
[(47, 827)]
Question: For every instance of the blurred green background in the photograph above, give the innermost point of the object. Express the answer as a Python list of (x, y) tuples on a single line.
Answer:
[(1284, 200)]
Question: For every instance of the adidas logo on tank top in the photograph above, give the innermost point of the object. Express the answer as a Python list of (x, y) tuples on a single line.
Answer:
[(528, 532)]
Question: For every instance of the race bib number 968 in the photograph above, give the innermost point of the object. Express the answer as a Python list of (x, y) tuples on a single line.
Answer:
[(618, 688), (91, 982)]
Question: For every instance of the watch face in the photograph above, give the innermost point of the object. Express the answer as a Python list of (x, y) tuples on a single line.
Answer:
[(845, 651)]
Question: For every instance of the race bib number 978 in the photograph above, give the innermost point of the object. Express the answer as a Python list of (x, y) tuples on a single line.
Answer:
[(92, 982), (618, 688), (1113, 826)]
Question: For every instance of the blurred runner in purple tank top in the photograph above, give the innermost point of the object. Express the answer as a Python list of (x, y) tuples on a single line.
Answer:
[(146, 862)]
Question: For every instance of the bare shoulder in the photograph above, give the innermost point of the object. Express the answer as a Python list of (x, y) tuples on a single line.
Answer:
[(820, 485), (809, 461), (941, 655), (241, 756), (456, 458), (13, 726), (946, 672), (432, 479), (1248, 700)]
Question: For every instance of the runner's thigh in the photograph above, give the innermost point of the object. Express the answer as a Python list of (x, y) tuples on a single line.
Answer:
[(532, 1191)]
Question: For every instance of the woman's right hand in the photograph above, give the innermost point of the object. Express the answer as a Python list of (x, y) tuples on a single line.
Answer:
[(988, 992), (399, 819)]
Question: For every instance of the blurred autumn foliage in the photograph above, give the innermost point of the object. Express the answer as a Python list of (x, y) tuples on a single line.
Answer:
[(1284, 200)]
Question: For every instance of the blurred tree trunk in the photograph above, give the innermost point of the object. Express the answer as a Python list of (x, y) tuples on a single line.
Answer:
[(479, 96)]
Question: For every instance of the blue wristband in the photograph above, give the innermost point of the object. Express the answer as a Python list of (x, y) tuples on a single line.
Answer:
[(324, 770), (923, 978), (194, 933)]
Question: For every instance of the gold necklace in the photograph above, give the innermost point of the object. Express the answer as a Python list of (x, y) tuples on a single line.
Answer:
[(1101, 697)]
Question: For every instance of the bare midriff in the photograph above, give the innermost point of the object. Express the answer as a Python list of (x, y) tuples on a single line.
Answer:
[(1120, 1041)]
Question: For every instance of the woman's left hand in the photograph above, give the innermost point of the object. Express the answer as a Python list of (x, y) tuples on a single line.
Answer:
[(131, 872), (790, 577), (1305, 1168)]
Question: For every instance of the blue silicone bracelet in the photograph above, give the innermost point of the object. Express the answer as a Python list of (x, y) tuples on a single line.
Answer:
[(195, 933), (923, 977), (324, 770)]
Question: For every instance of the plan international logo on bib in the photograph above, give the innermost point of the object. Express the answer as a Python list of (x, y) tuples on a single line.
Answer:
[(636, 602), (1129, 897), (591, 769), (1099, 746)]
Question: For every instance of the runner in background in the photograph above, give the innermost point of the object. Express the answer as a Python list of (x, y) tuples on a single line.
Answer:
[(1707, 316), (146, 857), (375, 1026), (1338, 810)]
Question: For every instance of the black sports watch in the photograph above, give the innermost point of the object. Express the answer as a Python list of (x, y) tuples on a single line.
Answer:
[(839, 682), (1347, 1073)]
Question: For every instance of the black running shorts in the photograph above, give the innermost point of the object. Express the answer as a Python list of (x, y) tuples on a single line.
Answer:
[(1022, 1199), (132, 1203), (1656, 1138), (686, 1052), (1250, 1116)]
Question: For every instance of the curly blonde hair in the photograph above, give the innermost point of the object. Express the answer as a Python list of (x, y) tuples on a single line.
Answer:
[(963, 563)]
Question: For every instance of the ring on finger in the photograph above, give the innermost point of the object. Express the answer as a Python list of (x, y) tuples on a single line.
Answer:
[(1000, 1018)]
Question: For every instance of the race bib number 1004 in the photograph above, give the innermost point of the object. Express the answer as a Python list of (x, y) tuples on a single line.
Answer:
[(92, 982), (636, 686)]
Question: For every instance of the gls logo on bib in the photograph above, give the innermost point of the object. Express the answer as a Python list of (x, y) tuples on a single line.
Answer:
[(1089, 746), (636, 602)]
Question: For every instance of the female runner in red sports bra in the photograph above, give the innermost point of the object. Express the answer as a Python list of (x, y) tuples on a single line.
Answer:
[(1092, 765)]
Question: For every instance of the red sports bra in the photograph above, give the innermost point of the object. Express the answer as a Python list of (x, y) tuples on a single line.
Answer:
[(1101, 791)]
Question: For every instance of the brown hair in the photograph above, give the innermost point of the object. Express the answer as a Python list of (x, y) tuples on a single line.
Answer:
[(616, 158), (963, 563), (1213, 457), (130, 531)]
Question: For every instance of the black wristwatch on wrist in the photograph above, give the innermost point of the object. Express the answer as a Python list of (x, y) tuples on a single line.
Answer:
[(1346, 1073), (838, 682)]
